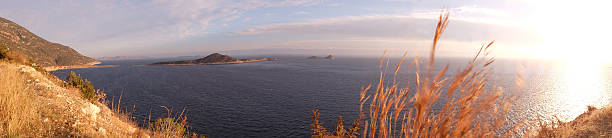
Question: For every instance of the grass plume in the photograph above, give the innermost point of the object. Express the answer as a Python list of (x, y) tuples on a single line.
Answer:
[(471, 107)]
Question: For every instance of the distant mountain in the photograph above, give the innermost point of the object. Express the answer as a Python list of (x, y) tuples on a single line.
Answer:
[(39, 50)]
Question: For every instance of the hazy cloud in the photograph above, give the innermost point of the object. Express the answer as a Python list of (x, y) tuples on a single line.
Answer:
[(396, 26), (116, 24)]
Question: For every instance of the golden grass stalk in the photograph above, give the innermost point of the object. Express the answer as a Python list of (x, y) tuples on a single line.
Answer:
[(472, 108), (477, 110)]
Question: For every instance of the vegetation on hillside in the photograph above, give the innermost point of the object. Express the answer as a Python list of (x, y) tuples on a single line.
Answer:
[(87, 89), (593, 123), (19, 110)]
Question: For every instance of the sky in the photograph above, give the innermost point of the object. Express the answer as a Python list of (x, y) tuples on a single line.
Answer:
[(520, 28)]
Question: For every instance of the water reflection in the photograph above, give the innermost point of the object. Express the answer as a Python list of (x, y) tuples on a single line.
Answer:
[(579, 85)]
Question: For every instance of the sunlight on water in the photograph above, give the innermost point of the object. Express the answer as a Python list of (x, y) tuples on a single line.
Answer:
[(581, 84)]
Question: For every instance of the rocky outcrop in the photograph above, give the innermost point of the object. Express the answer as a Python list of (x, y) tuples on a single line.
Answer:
[(327, 57)]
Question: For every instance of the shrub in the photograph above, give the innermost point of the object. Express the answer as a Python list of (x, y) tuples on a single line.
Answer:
[(3, 51), (87, 89), (14, 56), (321, 132), (174, 125)]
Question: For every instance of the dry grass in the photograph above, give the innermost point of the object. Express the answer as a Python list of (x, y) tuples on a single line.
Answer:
[(18, 104), (472, 107), (593, 123), (171, 126)]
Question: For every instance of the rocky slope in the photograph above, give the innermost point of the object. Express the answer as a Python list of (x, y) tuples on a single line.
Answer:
[(45, 53), (55, 111)]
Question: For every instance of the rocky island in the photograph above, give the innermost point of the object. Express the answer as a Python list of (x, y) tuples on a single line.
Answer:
[(214, 59), (328, 57)]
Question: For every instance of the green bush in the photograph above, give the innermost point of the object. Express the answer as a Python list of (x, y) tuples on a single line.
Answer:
[(3, 52), (87, 89)]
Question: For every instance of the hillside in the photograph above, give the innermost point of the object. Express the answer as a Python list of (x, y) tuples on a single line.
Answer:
[(37, 49), (215, 57), (35, 104)]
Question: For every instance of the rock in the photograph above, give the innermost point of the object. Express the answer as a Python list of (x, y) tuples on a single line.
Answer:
[(102, 130), (91, 110)]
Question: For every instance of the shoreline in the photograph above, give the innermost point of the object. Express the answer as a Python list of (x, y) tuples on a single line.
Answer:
[(88, 65)]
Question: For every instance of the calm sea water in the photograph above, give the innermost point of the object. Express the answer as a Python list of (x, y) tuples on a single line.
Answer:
[(275, 98)]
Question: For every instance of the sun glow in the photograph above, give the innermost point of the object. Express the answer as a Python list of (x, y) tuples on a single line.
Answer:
[(582, 84), (573, 30), (576, 33)]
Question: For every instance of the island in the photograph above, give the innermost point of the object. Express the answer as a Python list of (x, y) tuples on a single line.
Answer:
[(328, 57), (214, 59)]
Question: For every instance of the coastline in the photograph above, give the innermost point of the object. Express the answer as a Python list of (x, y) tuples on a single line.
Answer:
[(88, 65)]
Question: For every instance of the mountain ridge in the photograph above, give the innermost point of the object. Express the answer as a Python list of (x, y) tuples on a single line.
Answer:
[(44, 53)]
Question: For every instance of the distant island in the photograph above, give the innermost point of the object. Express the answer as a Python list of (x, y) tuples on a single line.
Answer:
[(328, 57), (214, 59)]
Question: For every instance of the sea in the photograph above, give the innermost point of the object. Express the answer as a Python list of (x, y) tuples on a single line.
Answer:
[(276, 98)]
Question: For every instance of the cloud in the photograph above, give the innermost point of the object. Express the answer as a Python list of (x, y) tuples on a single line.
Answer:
[(396, 26), (301, 12), (118, 24)]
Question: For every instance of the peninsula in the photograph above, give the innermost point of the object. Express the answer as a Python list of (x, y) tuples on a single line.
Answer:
[(214, 59), (88, 65)]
